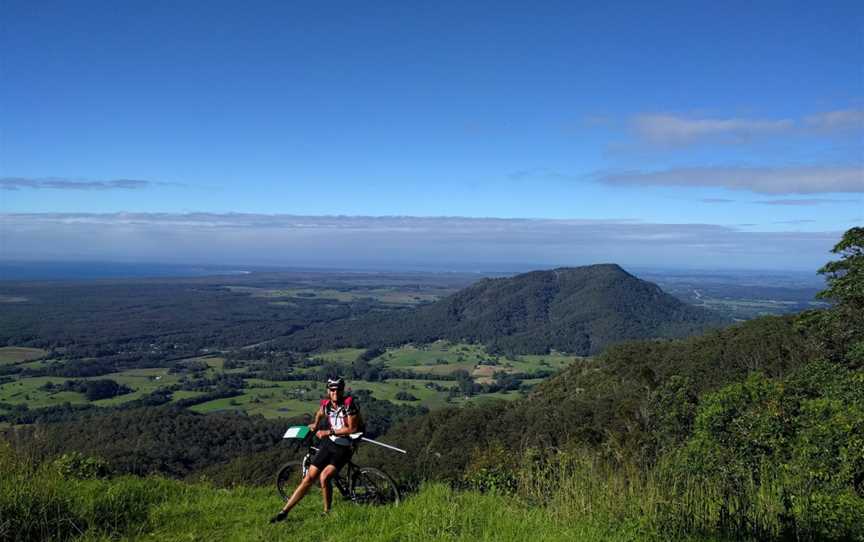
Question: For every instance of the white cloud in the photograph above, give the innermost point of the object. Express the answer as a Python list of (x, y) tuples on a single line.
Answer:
[(542, 174), (442, 242), (763, 180), (847, 119), (805, 202), (662, 129), (671, 130), (59, 183)]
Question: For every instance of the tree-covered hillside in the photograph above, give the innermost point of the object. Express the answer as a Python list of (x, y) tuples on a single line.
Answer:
[(766, 417), (580, 310)]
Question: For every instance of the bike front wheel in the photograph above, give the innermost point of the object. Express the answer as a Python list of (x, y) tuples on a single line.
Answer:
[(289, 477), (374, 486)]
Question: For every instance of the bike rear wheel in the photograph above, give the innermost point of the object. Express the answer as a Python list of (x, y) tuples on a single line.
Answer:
[(374, 486)]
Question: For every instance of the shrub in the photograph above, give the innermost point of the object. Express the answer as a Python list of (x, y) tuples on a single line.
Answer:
[(76, 465), (787, 456)]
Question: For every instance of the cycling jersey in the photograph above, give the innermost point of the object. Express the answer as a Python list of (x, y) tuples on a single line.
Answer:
[(337, 416)]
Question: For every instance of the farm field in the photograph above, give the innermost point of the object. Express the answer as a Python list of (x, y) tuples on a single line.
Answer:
[(16, 354), (447, 374)]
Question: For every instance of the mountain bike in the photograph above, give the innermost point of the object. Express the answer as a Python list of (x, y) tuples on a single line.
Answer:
[(360, 485)]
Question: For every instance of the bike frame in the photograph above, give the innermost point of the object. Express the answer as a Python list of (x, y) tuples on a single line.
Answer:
[(341, 484)]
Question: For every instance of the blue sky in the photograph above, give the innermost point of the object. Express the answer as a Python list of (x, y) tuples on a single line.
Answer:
[(659, 123)]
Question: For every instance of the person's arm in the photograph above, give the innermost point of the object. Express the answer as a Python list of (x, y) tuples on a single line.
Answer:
[(318, 415), (352, 423)]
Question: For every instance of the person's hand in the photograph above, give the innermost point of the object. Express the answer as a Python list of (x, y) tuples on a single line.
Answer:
[(322, 433), (311, 426)]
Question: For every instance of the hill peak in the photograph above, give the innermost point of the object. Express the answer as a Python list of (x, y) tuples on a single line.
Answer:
[(570, 309)]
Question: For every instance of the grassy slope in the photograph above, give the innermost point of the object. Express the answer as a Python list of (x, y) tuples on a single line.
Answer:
[(40, 503), (135, 509)]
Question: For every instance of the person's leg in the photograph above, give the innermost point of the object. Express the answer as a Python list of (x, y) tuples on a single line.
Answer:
[(327, 486), (301, 490)]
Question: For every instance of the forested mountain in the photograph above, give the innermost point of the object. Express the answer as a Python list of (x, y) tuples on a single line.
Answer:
[(580, 310), (634, 400)]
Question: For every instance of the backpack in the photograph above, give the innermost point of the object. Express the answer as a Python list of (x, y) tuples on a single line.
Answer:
[(348, 404)]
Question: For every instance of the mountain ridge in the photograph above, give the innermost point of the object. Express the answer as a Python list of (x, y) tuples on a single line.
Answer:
[(570, 309)]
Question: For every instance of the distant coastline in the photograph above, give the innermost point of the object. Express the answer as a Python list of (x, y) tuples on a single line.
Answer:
[(108, 270)]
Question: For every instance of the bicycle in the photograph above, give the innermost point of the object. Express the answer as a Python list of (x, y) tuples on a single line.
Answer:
[(360, 485)]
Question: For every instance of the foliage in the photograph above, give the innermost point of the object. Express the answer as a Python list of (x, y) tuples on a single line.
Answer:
[(634, 401), (846, 275), (804, 432), (839, 330), (492, 469), (153, 440), (76, 465)]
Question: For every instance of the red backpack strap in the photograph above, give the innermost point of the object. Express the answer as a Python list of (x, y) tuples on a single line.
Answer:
[(350, 406)]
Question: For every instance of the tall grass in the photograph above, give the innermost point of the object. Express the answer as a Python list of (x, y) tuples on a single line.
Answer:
[(664, 503), (567, 497), (38, 504)]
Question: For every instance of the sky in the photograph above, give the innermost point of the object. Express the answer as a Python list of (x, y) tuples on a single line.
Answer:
[(679, 134)]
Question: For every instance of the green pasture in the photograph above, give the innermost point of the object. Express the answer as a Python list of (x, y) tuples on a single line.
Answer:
[(270, 399), (185, 394), (427, 397), (38, 364), (444, 353), (443, 358), (142, 381), (554, 360), (434, 354), (287, 399), (17, 354), (214, 362), (27, 391)]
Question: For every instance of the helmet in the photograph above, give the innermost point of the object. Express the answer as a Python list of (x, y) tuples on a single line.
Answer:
[(337, 383)]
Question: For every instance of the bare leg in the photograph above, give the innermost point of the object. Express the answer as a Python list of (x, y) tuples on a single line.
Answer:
[(301, 490), (327, 486)]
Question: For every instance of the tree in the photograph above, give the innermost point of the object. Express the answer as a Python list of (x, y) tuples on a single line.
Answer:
[(841, 328), (845, 276)]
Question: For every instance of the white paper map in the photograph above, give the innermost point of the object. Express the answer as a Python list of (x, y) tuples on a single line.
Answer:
[(297, 431)]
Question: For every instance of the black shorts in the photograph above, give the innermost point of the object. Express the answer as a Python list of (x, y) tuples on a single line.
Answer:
[(330, 453)]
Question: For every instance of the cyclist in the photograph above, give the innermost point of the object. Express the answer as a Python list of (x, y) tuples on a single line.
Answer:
[(336, 449)]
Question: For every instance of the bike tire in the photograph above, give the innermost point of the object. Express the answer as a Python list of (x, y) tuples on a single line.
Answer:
[(289, 476), (374, 487)]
